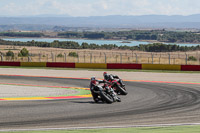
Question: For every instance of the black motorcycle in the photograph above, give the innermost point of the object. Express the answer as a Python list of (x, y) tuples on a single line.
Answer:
[(107, 94)]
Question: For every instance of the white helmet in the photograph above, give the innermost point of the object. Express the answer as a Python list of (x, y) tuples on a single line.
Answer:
[(93, 78)]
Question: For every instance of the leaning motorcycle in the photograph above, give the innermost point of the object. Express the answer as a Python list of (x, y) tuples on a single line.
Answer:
[(107, 95), (118, 88)]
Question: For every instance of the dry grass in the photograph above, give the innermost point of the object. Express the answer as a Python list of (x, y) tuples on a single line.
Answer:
[(98, 56)]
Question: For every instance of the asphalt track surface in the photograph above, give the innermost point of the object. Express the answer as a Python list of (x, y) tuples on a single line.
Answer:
[(146, 104)]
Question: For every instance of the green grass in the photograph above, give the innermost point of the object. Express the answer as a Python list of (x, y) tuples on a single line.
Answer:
[(122, 70), (171, 129)]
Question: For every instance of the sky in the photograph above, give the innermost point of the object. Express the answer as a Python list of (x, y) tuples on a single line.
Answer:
[(98, 7)]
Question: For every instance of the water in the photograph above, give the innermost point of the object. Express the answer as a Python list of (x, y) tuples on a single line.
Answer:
[(99, 42), (80, 41)]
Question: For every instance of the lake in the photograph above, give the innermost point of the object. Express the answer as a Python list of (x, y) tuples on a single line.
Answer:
[(99, 42)]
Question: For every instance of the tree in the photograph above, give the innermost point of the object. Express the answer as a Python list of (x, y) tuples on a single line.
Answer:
[(73, 54), (24, 52), (60, 55), (84, 45), (10, 53), (192, 58)]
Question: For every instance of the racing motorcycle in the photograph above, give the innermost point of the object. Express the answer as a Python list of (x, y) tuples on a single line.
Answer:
[(107, 94), (118, 88)]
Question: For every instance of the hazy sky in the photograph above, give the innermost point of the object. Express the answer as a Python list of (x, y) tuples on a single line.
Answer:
[(99, 7)]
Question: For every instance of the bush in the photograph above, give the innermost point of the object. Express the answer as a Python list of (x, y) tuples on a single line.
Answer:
[(23, 53), (10, 53), (59, 55), (73, 54), (192, 58)]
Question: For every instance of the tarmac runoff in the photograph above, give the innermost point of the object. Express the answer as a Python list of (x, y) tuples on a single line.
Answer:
[(16, 92)]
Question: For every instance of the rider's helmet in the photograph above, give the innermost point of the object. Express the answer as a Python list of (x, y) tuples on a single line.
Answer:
[(93, 80), (105, 73)]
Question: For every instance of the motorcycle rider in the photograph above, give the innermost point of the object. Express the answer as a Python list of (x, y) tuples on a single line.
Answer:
[(110, 77), (94, 87)]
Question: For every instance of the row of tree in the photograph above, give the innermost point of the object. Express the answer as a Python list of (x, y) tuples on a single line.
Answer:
[(159, 35), (134, 35), (25, 53), (21, 34), (156, 47)]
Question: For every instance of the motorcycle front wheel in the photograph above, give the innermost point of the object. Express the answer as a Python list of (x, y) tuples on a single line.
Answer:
[(121, 90), (106, 97)]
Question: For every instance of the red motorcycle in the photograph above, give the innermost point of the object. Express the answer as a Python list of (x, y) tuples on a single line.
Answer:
[(117, 87)]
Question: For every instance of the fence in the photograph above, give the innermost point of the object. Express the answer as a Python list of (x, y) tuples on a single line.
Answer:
[(96, 56)]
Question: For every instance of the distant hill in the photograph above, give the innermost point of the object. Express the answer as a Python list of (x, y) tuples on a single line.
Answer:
[(117, 21)]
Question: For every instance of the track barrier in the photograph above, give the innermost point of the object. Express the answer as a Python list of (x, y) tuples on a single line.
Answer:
[(190, 67), (60, 64), (9, 63), (33, 64), (105, 66), (124, 66), (161, 67), (91, 65)]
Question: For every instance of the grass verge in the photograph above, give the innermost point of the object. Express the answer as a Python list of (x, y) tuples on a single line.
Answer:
[(122, 70), (171, 129)]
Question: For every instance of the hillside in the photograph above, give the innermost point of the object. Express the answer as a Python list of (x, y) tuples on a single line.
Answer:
[(146, 21)]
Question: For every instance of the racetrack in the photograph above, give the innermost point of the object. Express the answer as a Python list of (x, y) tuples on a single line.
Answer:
[(146, 104)]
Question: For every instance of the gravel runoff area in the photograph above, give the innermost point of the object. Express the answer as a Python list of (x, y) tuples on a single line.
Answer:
[(28, 91), (151, 76)]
